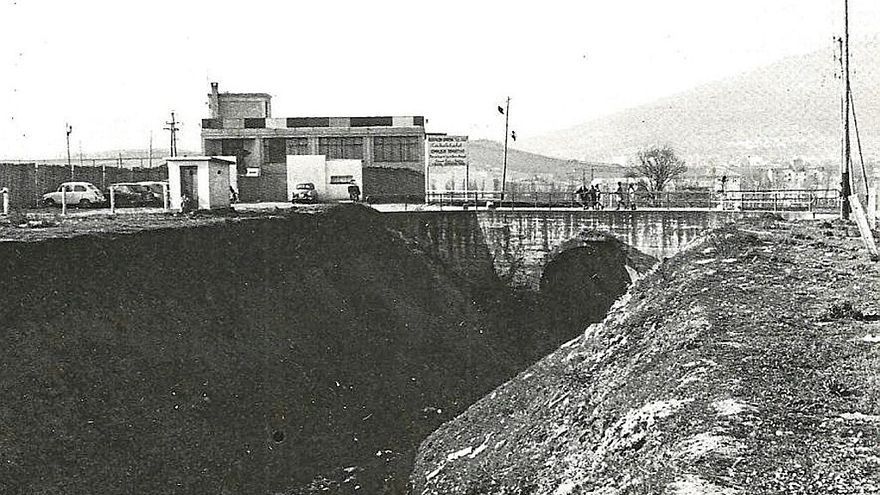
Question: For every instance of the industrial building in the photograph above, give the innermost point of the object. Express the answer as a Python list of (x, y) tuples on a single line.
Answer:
[(391, 149)]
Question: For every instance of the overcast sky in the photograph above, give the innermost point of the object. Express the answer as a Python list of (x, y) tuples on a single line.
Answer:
[(115, 69)]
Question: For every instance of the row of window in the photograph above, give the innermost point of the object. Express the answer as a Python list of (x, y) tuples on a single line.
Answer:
[(385, 148), (336, 148), (396, 148)]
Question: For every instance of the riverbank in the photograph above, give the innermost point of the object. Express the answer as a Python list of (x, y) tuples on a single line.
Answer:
[(748, 364)]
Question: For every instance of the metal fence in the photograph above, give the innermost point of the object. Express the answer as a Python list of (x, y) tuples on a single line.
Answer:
[(27, 182), (819, 200)]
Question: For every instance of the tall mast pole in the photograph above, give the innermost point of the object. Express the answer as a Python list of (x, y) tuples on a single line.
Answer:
[(172, 126), (845, 189), (506, 132)]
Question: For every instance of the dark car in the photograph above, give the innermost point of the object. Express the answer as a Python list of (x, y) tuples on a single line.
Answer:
[(132, 195), (304, 193), (158, 188)]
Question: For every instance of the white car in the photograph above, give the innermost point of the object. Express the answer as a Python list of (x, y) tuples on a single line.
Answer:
[(82, 194)]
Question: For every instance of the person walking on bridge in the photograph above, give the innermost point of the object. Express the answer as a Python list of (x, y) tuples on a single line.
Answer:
[(581, 195), (622, 196)]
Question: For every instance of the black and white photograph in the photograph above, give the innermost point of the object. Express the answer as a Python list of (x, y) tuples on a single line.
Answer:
[(408, 247)]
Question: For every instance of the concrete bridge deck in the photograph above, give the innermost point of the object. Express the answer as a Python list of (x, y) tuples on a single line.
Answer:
[(520, 242)]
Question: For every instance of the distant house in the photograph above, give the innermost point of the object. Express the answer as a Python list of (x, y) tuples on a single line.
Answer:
[(717, 179)]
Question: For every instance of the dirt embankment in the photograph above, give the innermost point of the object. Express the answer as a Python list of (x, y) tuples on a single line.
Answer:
[(747, 365), (282, 355)]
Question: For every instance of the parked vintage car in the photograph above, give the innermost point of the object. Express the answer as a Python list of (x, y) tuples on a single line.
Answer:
[(158, 189), (82, 194), (132, 194), (304, 193)]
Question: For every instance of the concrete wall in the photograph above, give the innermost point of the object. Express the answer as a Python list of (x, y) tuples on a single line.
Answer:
[(342, 168), (518, 244), (217, 185), (319, 171), (232, 106)]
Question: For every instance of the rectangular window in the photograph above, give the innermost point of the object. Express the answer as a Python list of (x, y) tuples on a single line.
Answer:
[(341, 179), (308, 122), (298, 146), (231, 147), (275, 150), (371, 121), (336, 148), (254, 123), (396, 148)]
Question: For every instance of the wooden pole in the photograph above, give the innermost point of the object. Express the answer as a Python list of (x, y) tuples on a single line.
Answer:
[(504, 166), (845, 188)]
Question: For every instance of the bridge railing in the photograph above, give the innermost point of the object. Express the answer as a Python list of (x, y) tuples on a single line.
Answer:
[(819, 200)]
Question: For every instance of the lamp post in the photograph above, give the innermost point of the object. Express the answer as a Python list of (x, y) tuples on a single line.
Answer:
[(69, 128)]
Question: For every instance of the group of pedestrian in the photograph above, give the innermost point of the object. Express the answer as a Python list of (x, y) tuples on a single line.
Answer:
[(626, 196), (589, 197)]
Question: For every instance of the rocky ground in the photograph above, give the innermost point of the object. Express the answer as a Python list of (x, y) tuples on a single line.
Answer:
[(48, 223), (749, 364)]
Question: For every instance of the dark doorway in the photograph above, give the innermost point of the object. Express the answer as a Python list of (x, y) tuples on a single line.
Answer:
[(189, 183)]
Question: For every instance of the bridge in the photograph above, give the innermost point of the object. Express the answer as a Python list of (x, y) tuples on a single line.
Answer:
[(518, 243)]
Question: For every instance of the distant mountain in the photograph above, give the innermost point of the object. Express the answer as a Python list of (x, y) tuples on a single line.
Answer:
[(489, 155), (789, 109)]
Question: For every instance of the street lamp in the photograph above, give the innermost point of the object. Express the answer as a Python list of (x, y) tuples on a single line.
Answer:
[(69, 129)]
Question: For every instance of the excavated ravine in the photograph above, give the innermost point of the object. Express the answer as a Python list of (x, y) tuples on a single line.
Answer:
[(298, 354), (747, 365)]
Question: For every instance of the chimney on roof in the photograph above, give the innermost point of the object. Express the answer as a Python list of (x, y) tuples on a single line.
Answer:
[(214, 100)]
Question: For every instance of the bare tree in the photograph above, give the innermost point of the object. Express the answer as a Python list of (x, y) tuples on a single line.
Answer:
[(659, 165)]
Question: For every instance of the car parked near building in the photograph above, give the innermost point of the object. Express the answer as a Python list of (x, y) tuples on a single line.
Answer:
[(133, 194), (82, 194), (158, 188), (304, 193)]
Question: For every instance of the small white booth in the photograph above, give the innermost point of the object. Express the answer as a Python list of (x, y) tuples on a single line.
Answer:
[(204, 180)]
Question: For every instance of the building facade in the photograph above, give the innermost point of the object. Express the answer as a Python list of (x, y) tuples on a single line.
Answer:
[(391, 149)]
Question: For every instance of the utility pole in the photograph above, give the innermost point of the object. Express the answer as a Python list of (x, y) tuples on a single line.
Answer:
[(172, 126), (69, 128), (151, 150), (845, 189), (506, 132)]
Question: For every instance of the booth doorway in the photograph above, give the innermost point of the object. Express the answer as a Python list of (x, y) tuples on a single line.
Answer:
[(189, 183)]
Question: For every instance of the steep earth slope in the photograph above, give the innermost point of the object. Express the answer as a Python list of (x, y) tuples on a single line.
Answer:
[(747, 365), (283, 355)]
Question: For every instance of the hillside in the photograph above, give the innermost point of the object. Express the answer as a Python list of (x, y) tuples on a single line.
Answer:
[(487, 156), (779, 112), (705, 378)]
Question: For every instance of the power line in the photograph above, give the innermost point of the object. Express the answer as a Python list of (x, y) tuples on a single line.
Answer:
[(172, 126)]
